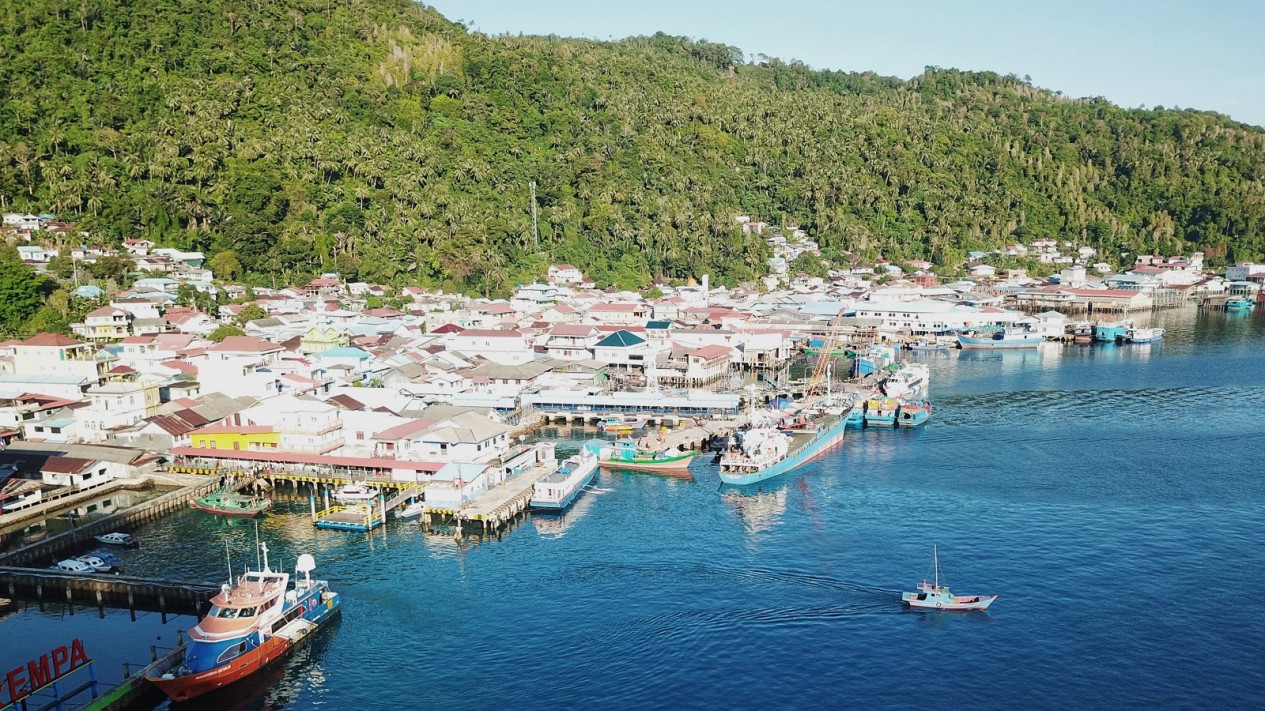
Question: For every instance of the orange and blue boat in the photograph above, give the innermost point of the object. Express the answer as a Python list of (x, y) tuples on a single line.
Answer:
[(253, 623)]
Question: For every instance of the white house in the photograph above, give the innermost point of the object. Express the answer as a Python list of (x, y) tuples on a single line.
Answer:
[(565, 274), (455, 484), (500, 346)]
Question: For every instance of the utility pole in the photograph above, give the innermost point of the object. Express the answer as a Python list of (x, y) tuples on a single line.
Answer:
[(535, 233)]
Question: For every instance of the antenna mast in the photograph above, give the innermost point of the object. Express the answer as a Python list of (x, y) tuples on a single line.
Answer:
[(535, 232)]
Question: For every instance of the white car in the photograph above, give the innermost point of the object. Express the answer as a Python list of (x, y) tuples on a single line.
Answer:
[(74, 566)]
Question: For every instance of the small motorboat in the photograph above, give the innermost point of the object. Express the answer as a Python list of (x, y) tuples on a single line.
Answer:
[(118, 539), (355, 493), (109, 558), (230, 503), (413, 510), (72, 565), (937, 597), (95, 563), (928, 346)]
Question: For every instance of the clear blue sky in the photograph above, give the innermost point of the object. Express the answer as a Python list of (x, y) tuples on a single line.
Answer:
[(1204, 55)]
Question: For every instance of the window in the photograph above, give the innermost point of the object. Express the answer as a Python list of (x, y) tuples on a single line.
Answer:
[(213, 444), (232, 652)]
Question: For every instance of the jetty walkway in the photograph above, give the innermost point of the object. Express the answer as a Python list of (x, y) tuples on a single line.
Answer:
[(497, 506)]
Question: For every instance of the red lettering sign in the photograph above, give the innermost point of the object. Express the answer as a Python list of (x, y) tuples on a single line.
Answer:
[(39, 673)]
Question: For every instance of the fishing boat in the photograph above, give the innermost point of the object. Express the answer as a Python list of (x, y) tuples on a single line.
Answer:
[(628, 454), (559, 488), (413, 510), (910, 380), (1083, 333), (618, 425), (1144, 335), (1110, 332), (1238, 304), (254, 621), (881, 412), (355, 492), (118, 539), (228, 503), (935, 596), (928, 346), (913, 413), (1000, 339), (762, 452), (856, 417)]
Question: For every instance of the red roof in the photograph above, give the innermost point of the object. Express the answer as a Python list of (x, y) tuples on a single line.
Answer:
[(296, 458), (449, 328), (403, 430), (245, 344), (120, 370), (709, 352), (573, 329), (138, 339), (50, 339), (491, 333), (617, 308), (183, 366)]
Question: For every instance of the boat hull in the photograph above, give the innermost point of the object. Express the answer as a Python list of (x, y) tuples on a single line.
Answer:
[(980, 602), (247, 513), (995, 344), (828, 438), (558, 506), (675, 465), (273, 649)]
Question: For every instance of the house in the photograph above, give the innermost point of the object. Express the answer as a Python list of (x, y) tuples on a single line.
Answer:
[(246, 346), (623, 349), (119, 403), (565, 274), (571, 341), (707, 364), (107, 323), (465, 437), (54, 355), (33, 254), (323, 338), (138, 247), (22, 222), (983, 271), (455, 484), (620, 314), (497, 345)]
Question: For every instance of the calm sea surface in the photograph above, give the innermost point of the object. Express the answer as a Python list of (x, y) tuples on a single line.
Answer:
[(1113, 496)]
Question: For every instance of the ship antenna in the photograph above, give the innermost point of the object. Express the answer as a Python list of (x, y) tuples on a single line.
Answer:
[(935, 554), (230, 562), (258, 564)]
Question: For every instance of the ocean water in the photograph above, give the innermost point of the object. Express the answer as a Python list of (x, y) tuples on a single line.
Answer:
[(1112, 496)]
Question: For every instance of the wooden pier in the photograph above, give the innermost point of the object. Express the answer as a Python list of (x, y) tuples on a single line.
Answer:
[(103, 590), (48, 550), (497, 506)]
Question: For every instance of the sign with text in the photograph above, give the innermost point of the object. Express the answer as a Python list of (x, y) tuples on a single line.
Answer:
[(24, 680)]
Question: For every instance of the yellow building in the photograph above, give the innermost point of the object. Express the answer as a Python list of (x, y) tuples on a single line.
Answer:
[(250, 438), (321, 339)]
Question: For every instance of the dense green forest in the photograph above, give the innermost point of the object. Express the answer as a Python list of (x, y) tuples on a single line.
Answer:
[(379, 139)]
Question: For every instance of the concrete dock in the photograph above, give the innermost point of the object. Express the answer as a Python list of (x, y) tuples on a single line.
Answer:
[(499, 505)]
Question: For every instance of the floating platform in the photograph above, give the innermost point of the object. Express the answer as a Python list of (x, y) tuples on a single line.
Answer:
[(349, 518)]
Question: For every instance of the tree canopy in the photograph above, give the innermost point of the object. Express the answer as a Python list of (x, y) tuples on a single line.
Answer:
[(377, 139)]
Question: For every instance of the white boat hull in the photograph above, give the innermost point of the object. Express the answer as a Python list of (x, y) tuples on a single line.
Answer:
[(977, 602)]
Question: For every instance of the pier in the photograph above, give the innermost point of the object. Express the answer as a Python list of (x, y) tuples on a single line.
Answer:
[(102, 590), (497, 506), (49, 550)]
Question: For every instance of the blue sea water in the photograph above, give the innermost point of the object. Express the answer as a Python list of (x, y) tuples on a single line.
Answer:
[(1112, 496)]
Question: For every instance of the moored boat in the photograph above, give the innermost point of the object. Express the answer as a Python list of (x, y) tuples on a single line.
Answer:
[(252, 623), (413, 510), (913, 413), (1110, 332), (881, 412), (855, 417), (1238, 304), (1000, 339), (560, 487), (762, 453), (618, 425), (355, 493), (935, 596), (94, 562), (117, 538), (1083, 333), (928, 346), (231, 504), (1144, 335), (627, 454)]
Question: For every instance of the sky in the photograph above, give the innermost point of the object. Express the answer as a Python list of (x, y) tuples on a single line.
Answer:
[(1188, 54)]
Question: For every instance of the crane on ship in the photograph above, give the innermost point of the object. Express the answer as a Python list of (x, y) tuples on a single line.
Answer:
[(822, 369)]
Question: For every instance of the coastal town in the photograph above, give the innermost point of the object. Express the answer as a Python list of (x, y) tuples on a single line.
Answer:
[(432, 393)]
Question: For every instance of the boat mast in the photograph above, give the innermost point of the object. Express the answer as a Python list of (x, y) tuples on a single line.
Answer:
[(229, 557), (935, 554)]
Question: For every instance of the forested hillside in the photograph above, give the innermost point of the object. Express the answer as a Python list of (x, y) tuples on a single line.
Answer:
[(378, 139)]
